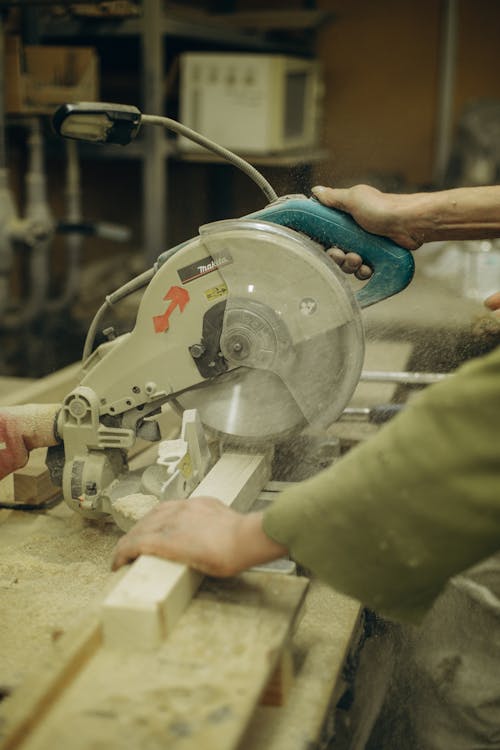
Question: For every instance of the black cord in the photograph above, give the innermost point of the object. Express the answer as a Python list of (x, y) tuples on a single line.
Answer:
[(30, 507)]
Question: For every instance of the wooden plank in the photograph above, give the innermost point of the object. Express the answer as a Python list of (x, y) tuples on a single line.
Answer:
[(198, 690), (319, 648), (265, 20), (319, 663), (236, 479), (111, 9), (328, 630), (146, 604), (36, 697)]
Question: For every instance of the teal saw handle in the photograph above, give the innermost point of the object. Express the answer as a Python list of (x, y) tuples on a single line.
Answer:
[(392, 265)]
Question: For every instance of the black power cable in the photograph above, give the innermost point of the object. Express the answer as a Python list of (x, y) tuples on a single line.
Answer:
[(33, 507)]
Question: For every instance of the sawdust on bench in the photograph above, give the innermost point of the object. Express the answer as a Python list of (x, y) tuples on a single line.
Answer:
[(53, 568)]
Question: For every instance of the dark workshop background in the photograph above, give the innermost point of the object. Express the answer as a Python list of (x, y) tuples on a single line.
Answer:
[(383, 64)]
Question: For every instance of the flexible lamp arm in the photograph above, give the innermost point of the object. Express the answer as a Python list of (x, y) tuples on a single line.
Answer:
[(101, 122)]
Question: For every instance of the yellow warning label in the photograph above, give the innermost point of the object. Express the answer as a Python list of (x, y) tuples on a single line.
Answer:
[(215, 292), (186, 466)]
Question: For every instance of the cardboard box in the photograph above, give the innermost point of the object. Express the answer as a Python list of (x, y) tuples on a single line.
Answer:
[(39, 78)]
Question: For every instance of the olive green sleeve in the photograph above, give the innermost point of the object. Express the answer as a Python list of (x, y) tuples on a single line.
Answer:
[(400, 514)]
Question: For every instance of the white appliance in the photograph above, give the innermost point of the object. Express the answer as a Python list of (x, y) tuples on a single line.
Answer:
[(251, 103)]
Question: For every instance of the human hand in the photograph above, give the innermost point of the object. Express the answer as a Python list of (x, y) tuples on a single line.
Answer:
[(350, 263), (200, 532), (23, 428), (377, 212), (493, 303)]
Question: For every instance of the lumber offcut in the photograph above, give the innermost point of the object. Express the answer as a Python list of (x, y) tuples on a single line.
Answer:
[(153, 594)]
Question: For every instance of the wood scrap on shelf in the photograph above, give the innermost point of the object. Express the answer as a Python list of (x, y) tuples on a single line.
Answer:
[(275, 20), (113, 9)]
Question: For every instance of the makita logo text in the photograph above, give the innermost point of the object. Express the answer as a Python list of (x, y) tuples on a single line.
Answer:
[(203, 266), (216, 262)]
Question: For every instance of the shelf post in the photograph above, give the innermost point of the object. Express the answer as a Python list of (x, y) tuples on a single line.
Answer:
[(154, 167)]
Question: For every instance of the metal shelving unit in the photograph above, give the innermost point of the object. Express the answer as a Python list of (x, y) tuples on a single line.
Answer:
[(285, 159), (153, 28)]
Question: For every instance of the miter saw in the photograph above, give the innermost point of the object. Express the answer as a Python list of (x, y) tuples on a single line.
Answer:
[(249, 329)]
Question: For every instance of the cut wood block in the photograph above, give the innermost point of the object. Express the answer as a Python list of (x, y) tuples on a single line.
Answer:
[(32, 485), (145, 605), (147, 602)]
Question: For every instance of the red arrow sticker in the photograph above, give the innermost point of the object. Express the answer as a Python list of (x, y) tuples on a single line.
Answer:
[(178, 297)]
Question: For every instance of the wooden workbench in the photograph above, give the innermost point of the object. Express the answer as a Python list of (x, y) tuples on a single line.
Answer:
[(54, 575)]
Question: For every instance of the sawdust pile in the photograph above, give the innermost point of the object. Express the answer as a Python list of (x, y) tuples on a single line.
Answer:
[(53, 567), (132, 508)]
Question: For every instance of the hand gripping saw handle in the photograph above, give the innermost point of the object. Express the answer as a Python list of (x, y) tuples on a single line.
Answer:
[(393, 266)]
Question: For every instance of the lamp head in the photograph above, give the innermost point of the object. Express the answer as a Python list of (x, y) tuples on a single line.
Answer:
[(98, 122)]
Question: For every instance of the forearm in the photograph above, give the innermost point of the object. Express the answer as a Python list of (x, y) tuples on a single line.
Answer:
[(252, 546), (458, 214), (411, 507), (23, 428), (414, 218)]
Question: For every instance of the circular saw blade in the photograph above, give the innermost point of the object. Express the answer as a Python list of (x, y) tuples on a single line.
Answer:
[(292, 335)]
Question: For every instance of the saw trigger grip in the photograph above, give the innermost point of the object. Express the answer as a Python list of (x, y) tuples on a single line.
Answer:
[(393, 266)]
